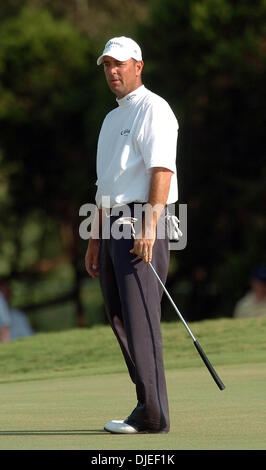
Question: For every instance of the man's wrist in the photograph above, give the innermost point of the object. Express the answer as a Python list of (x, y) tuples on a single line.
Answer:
[(94, 240), (151, 216)]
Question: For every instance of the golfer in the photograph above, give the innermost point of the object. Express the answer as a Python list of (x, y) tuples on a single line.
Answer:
[(136, 165)]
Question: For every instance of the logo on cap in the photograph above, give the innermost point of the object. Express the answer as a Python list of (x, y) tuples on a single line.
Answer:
[(113, 43)]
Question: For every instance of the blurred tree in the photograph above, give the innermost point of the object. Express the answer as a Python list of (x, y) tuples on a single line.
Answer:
[(52, 102), (100, 20), (208, 59), (49, 121)]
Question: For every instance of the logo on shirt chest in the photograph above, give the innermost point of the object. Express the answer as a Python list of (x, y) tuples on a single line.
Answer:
[(125, 132)]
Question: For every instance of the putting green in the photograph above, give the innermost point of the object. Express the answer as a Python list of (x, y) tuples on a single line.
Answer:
[(68, 413)]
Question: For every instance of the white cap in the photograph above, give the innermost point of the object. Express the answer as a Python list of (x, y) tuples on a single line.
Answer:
[(121, 48)]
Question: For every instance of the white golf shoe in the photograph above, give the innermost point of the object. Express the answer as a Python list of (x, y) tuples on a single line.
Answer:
[(120, 427)]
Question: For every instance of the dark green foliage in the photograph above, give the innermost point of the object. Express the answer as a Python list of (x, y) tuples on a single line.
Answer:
[(207, 58)]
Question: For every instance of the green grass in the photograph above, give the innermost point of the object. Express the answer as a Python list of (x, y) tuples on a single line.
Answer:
[(95, 350), (58, 389)]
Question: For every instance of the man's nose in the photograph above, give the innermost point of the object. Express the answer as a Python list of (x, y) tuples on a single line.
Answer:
[(113, 70)]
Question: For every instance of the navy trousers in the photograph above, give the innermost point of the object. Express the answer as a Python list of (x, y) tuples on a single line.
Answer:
[(132, 297)]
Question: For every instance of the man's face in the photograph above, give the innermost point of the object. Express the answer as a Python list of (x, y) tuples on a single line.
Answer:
[(122, 77)]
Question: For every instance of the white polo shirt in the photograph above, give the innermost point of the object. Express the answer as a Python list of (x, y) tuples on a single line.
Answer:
[(141, 133)]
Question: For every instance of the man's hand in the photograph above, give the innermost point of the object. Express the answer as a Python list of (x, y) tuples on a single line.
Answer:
[(93, 250), (92, 257), (158, 194), (143, 245)]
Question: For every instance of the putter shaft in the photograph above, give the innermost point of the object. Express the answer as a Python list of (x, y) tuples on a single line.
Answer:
[(131, 220), (196, 343)]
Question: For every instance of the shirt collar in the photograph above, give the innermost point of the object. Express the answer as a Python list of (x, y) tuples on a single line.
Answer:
[(132, 97)]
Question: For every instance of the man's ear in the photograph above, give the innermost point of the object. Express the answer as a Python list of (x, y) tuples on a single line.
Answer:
[(139, 67)]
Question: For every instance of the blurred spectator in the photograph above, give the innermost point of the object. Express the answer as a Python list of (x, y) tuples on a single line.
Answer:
[(13, 323), (253, 304), (5, 318)]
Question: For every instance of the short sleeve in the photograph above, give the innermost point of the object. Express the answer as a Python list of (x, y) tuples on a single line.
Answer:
[(158, 137)]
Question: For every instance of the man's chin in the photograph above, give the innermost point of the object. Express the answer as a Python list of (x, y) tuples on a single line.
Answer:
[(116, 88)]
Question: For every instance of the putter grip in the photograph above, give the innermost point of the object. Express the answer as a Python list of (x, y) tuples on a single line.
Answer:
[(209, 366)]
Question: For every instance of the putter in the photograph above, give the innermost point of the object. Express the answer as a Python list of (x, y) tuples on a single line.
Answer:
[(131, 220)]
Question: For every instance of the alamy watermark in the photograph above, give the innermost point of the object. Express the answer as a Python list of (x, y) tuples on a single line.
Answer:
[(169, 222)]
